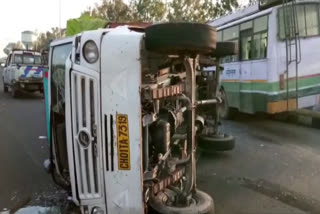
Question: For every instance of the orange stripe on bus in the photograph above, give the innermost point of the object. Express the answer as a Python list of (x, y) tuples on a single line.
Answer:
[(281, 106)]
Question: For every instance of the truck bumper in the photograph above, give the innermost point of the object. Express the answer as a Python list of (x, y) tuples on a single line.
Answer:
[(30, 86)]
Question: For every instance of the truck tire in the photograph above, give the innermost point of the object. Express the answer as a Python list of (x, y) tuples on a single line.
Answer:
[(225, 49), (14, 92), (180, 38), (5, 87), (203, 203), (210, 143)]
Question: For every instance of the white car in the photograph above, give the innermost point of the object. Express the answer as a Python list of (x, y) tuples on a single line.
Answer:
[(23, 71)]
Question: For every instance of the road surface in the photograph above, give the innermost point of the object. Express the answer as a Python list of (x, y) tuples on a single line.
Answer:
[(22, 176), (275, 167)]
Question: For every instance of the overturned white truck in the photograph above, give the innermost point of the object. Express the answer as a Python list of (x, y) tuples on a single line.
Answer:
[(123, 120)]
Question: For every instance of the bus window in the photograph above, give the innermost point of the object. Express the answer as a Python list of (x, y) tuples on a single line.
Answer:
[(246, 44), (301, 20), (308, 20), (260, 45), (260, 37), (312, 20), (246, 25), (231, 35)]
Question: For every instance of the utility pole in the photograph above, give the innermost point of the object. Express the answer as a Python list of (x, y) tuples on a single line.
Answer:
[(60, 18)]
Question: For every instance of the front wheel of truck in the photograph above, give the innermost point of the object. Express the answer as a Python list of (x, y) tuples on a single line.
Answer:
[(14, 92), (200, 203)]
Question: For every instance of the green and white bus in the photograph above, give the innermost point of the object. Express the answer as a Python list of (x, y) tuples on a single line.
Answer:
[(273, 72)]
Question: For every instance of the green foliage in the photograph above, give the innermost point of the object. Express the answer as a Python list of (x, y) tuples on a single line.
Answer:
[(85, 22), (111, 11), (199, 10), (44, 39), (148, 10), (161, 10)]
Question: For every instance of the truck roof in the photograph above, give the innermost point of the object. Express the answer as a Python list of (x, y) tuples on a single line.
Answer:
[(22, 51)]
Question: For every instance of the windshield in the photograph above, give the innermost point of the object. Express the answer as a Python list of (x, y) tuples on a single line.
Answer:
[(27, 59)]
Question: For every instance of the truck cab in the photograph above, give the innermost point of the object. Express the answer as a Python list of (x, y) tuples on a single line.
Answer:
[(23, 71)]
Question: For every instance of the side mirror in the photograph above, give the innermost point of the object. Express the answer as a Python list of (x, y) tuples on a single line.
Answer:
[(2, 64)]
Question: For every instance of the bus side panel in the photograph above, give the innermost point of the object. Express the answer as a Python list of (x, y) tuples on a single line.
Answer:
[(231, 84)]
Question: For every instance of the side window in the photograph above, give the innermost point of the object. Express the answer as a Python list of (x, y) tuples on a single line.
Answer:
[(308, 16), (301, 20), (230, 35), (246, 44), (17, 59), (260, 37), (59, 57), (312, 20), (254, 39)]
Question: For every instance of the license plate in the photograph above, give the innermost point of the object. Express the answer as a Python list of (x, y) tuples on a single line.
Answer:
[(123, 142)]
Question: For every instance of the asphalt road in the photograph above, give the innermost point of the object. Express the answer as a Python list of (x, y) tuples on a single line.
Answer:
[(274, 169), (22, 176)]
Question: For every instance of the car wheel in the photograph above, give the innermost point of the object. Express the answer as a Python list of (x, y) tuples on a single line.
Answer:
[(223, 142), (201, 203), (181, 38)]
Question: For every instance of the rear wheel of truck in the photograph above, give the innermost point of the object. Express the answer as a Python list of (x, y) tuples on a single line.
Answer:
[(181, 38), (200, 203)]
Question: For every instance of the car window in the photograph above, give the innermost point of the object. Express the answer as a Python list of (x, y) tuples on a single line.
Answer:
[(17, 59)]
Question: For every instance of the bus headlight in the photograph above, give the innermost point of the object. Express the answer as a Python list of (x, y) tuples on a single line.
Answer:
[(90, 52), (97, 210)]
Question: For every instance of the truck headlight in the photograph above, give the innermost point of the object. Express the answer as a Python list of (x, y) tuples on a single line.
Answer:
[(97, 210), (90, 52)]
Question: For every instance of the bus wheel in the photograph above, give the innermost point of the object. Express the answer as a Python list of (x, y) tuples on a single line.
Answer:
[(223, 142), (181, 38), (226, 112), (200, 203)]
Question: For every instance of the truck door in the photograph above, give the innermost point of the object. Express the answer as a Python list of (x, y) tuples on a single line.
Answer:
[(57, 124), (6, 70)]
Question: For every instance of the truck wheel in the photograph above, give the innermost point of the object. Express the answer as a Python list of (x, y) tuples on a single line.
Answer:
[(222, 142), (201, 203), (14, 92), (225, 49), (5, 87), (181, 38)]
